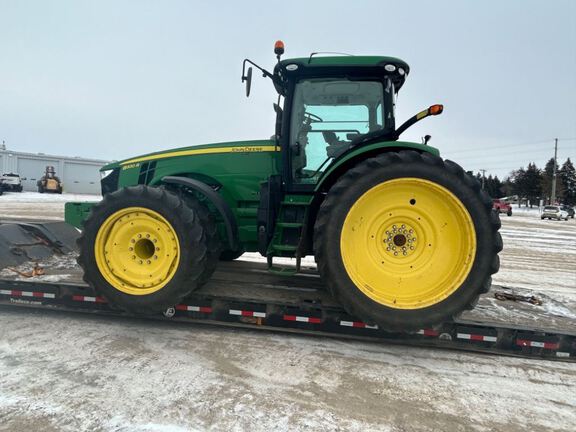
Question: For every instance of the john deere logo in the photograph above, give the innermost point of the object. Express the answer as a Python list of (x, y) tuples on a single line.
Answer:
[(246, 149)]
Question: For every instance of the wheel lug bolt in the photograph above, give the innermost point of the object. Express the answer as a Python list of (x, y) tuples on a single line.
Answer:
[(133, 257), (411, 247), (147, 235), (404, 253), (149, 262), (133, 241), (395, 253), (155, 257), (130, 248), (141, 261)]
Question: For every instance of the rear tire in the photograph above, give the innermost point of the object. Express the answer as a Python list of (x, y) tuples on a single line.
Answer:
[(140, 231), (381, 288), (509, 213)]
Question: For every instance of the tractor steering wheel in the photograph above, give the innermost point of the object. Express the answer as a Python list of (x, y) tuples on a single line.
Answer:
[(313, 117)]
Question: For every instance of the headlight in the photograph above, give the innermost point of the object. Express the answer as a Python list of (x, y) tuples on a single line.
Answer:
[(105, 173)]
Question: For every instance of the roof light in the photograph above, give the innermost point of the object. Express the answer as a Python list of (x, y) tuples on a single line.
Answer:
[(401, 71), (390, 68), (279, 48)]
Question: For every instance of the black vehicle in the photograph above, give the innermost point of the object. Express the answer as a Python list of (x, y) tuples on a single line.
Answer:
[(569, 210)]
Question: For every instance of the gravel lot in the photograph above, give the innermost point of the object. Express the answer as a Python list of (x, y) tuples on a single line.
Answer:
[(71, 372)]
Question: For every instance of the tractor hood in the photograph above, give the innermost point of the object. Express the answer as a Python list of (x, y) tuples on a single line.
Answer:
[(223, 147)]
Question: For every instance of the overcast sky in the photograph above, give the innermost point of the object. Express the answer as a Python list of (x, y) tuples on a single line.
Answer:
[(114, 79)]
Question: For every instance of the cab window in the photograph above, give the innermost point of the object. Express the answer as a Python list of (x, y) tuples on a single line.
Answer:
[(327, 114)]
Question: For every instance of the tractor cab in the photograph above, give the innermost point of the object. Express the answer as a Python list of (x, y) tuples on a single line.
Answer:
[(330, 106)]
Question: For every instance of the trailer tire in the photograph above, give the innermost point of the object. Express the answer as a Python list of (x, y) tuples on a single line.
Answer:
[(143, 249), (406, 241)]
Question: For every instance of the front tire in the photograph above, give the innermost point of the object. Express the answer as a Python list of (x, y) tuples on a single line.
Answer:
[(143, 249), (407, 241)]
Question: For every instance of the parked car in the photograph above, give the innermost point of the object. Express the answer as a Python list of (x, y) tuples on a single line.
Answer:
[(502, 206), (12, 182), (1, 185), (569, 210), (554, 212)]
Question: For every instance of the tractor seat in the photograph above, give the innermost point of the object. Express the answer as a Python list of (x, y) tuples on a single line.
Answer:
[(335, 147)]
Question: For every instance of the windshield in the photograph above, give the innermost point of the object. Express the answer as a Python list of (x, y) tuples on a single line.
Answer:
[(327, 114)]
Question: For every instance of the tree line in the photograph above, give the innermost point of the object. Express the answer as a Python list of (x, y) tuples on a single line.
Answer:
[(534, 184)]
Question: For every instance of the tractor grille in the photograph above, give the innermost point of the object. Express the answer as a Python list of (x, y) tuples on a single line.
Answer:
[(147, 172)]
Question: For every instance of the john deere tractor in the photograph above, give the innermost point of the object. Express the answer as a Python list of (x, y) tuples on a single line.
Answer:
[(402, 238)]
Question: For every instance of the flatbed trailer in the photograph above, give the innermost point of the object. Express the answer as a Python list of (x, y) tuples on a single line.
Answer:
[(243, 293)]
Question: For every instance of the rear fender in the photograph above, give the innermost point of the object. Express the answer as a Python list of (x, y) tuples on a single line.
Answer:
[(360, 153)]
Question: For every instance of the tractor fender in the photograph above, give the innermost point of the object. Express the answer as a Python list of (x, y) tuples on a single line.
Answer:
[(362, 152), (218, 202)]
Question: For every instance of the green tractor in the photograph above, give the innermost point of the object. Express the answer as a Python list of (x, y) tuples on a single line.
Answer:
[(402, 238)]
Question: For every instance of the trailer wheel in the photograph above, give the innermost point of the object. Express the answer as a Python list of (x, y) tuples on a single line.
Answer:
[(143, 249), (406, 240)]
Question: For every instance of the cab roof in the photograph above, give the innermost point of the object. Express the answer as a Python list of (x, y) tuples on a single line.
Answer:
[(320, 65)]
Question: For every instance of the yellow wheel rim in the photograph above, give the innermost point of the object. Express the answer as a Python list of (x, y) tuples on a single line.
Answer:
[(137, 251), (408, 243)]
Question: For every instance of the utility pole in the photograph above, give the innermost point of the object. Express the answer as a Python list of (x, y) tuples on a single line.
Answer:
[(553, 194), (483, 177)]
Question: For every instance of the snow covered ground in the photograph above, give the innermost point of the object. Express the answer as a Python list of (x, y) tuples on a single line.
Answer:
[(34, 205), (70, 372)]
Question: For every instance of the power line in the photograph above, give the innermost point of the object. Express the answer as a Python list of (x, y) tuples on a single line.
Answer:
[(525, 144), (499, 154)]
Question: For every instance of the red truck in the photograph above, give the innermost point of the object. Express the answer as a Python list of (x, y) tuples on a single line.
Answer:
[(502, 206)]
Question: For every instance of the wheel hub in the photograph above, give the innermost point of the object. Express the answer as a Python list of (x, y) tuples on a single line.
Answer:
[(400, 240)]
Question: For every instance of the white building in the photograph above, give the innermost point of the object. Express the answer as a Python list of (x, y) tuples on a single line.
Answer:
[(79, 175)]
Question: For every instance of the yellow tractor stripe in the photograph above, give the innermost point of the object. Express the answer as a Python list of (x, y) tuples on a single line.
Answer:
[(234, 149)]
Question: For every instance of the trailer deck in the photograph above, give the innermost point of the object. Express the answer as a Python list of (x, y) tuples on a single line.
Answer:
[(244, 294)]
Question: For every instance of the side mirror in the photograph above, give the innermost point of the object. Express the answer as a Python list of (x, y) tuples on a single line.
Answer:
[(248, 79)]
